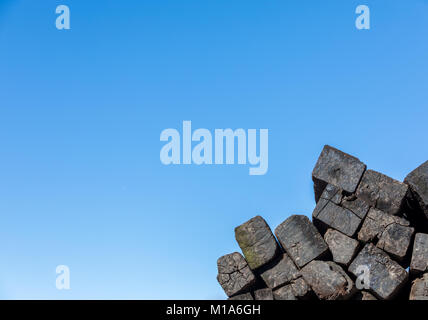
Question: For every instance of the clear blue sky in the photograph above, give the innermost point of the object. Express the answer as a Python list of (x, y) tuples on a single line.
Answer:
[(81, 112)]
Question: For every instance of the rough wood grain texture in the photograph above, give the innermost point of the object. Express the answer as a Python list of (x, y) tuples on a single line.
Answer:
[(363, 295), (392, 234), (279, 272), (243, 296), (301, 240), (342, 247), (328, 280), (418, 183), (357, 206), (382, 192), (366, 222), (395, 240), (329, 215), (284, 293), (419, 289), (386, 277), (263, 294), (419, 262), (234, 275), (257, 242), (301, 290), (376, 222), (332, 193), (337, 168)]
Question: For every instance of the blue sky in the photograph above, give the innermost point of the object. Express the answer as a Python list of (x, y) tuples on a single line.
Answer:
[(81, 112)]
